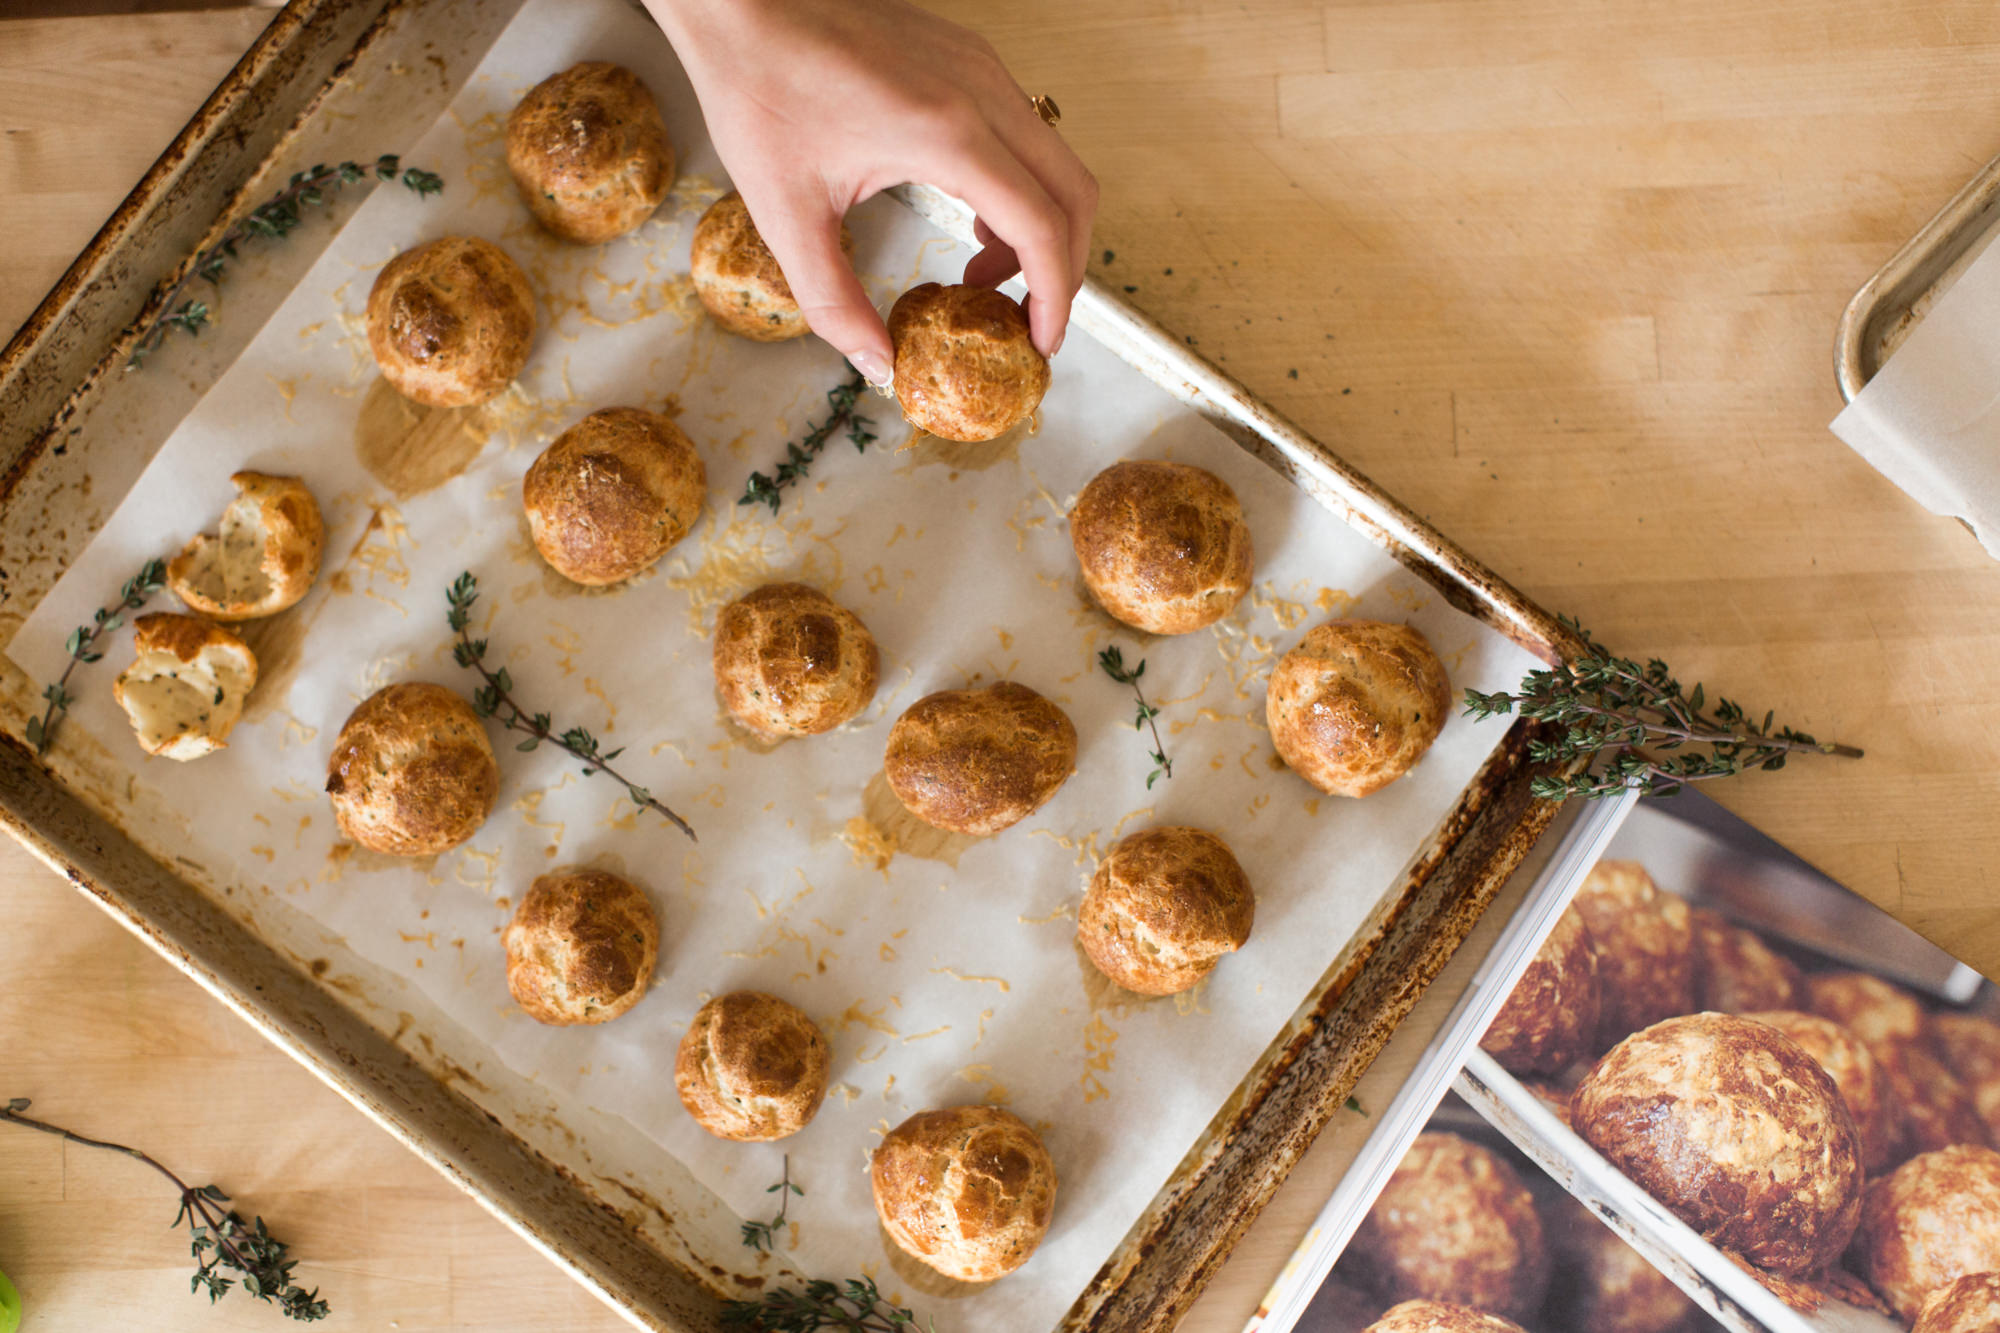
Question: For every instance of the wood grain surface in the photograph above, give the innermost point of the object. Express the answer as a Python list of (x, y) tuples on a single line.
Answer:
[(1562, 274)]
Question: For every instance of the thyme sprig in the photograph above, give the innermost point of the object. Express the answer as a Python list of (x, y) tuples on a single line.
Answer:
[(763, 1235), (273, 219), (840, 401), (496, 699), (223, 1244), (152, 576), (854, 1305), (1632, 716), (1113, 663)]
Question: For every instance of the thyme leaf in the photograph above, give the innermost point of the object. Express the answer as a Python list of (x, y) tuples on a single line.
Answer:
[(1113, 663), (83, 647), (840, 401), (764, 1235)]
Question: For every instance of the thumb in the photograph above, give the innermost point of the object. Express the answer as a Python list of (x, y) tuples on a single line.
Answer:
[(804, 237)]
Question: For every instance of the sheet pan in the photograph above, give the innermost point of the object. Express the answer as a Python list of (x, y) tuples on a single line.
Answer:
[(78, 433)]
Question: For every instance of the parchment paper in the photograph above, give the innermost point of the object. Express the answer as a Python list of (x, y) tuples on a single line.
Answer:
[(1930, 419), (943, 971)]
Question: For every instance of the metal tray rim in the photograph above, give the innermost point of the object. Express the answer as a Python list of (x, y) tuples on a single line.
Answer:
[(1886, 299)]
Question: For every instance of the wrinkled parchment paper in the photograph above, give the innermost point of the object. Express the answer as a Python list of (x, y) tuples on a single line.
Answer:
[(942, 970), (1930, 419)]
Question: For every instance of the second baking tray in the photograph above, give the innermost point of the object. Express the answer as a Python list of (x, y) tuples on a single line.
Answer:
[(74, 433), (1721, 864), (1894, 301)]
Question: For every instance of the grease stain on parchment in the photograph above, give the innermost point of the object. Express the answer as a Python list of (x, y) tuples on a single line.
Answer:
[(923, 449), (411, 448), (887, 830)]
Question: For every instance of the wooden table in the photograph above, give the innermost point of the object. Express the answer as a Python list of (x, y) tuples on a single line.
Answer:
[(1562, 274)]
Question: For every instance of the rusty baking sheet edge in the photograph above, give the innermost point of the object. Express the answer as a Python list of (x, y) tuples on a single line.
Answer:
[(177, 176)]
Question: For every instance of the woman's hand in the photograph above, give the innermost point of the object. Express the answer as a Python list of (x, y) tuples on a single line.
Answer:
[(815, 105)]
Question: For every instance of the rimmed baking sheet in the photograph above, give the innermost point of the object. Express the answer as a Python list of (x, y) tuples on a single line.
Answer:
[(943, 972)]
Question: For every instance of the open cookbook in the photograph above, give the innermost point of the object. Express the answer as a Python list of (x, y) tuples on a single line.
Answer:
[(1717, 1088)]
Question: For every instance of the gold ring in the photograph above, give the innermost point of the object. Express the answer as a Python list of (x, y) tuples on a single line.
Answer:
[(1045, 107)]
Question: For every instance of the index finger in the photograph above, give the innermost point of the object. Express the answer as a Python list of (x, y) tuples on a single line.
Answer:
[(803, 235), (1020, 212)]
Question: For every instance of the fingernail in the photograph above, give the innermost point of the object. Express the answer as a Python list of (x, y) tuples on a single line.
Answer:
[(874, 367), (1061, 333)]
